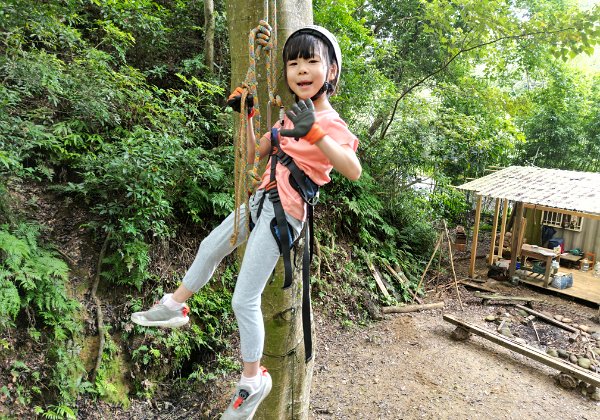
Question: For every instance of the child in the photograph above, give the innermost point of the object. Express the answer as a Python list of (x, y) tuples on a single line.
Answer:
[(318, 140)]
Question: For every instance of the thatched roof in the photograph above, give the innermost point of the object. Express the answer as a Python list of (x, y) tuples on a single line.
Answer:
[(570, 190)]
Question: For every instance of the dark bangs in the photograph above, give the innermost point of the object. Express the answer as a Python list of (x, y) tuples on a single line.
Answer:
[(305, 46)]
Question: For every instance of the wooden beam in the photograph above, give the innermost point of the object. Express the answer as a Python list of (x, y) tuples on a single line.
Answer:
[(475, 234), (494, 228), (554, 362), (515, 251), (502, 228), (565, 211), (411, 308)]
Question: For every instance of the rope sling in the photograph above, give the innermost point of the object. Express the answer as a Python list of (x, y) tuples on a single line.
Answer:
[(247, 178)]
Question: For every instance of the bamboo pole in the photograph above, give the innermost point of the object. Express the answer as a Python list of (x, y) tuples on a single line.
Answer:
[(437, 245), (452, 265)]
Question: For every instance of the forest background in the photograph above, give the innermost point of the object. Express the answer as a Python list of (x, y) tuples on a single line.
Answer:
[(113, 109)]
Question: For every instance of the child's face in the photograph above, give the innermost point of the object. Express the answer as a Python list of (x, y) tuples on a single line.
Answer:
[(305, 76)]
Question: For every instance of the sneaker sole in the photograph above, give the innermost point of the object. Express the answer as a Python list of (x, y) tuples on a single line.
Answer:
[(170, 323)]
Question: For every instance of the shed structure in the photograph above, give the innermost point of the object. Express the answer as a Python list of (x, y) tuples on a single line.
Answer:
[(572, 193)]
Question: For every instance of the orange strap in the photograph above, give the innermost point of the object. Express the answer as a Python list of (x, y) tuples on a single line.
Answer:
[(315, 134)]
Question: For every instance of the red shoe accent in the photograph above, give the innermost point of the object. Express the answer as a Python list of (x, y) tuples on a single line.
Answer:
[(185, 310), (263, 371), (238, 402)]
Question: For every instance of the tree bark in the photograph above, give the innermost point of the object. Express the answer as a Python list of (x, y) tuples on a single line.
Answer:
[(284, 348), (209, 35)]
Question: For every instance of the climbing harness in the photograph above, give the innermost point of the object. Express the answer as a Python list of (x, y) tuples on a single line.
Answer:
[(309, 191)]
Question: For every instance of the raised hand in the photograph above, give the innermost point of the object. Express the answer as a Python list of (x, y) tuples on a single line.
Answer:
[(303, 116)]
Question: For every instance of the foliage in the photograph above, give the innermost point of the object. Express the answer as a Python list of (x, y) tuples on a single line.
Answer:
[(110, 103), (33, 281)]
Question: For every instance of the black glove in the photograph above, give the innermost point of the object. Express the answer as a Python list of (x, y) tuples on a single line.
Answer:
[(302, 115), (235, 100)]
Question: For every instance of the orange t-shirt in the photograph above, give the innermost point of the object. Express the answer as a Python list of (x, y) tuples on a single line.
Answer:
[(308, 158)]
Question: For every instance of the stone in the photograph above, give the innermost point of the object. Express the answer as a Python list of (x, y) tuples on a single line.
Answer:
[(551, 351), (584, 362), (490, 318), (562, 353), (558, 317), (573, 358), (567, 320)]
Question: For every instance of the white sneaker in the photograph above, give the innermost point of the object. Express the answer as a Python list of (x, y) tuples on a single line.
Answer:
[(161, 316), (243, 405)]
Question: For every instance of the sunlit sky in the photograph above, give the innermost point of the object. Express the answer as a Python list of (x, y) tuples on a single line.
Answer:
[(589, 64)]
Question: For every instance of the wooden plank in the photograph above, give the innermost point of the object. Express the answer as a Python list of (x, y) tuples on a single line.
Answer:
[(412, 308), (554, 362), (584, 288), (475, 234), (503, 227), (494, 228), (476, 286), (378, 279)]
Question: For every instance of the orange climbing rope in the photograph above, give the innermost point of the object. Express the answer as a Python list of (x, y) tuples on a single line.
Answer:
[(262, 38)]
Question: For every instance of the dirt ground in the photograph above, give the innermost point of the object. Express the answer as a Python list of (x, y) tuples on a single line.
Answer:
[(407, 366)]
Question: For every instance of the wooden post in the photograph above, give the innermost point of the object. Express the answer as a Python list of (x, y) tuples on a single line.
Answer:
[(494, 228), (475, 234), (502, 228), (515, 250)]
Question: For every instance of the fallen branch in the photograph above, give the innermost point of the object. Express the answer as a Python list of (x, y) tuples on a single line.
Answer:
[(99, 316), (439, 241), (411, 308), (452, 265), (550, 320)]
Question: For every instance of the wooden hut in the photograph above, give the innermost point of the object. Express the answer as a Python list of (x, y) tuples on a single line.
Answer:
[(567, 201)]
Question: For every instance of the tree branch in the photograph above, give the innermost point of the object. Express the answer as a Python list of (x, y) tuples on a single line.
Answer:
[(447, 63)]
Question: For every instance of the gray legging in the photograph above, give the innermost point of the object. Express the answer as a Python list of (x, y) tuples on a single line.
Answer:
[(259, 261)]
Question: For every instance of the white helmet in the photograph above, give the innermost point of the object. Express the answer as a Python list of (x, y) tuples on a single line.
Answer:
[(328, 38)]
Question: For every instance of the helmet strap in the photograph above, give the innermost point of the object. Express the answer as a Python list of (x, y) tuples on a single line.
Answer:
[(325, 88)]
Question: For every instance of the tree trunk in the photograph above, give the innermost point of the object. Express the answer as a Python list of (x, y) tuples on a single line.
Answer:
[(284, 348), (209, 35)]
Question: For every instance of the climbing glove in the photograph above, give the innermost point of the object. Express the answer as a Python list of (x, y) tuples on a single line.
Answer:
[(302, 115), (235, 101)]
